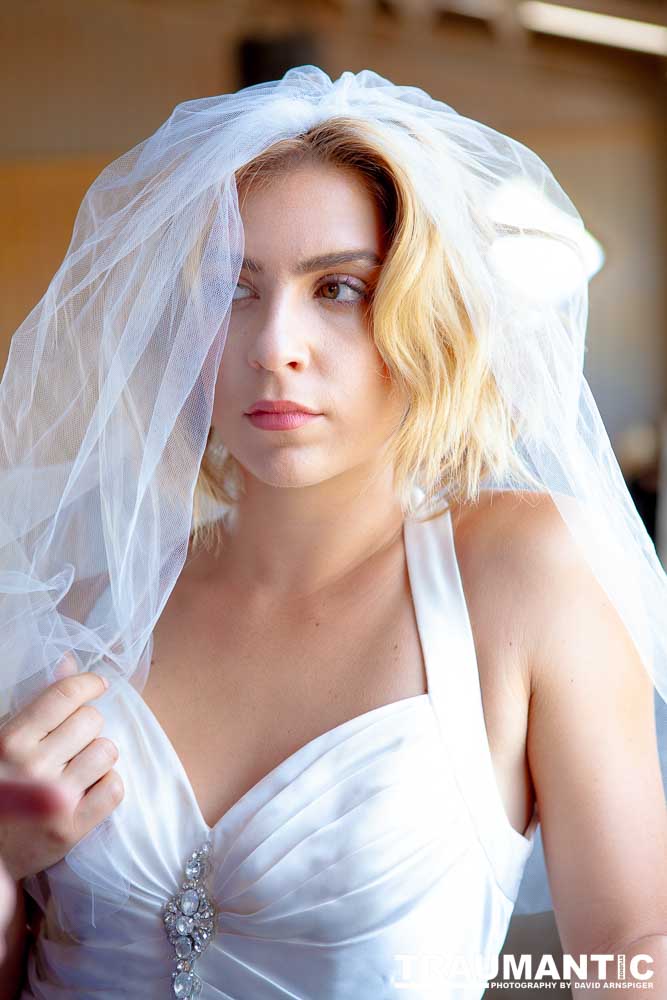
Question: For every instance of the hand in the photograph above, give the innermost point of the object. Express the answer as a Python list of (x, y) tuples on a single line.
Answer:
[(54, 739), (23, 798)]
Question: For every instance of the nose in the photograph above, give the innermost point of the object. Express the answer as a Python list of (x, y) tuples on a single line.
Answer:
[(280, 338)]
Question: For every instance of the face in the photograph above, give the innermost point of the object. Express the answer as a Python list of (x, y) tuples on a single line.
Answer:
[(299, 331)]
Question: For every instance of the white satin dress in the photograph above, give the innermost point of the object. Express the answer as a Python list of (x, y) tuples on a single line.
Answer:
[(377, 861)]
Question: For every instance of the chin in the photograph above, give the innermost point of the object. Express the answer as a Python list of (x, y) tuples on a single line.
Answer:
[(285, 472)]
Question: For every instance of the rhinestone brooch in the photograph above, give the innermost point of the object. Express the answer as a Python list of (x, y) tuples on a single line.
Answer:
[(189, 920)]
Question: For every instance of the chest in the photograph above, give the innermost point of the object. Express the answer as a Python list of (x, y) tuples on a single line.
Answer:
[(254, 683)]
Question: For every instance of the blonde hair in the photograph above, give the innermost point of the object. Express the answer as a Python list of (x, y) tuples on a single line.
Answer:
[(456, 427)]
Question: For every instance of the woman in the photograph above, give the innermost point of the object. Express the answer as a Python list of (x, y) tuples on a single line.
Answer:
[(329, 779)]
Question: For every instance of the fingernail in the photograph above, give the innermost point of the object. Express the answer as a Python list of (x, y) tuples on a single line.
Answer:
[(65, 666), (105, 681)]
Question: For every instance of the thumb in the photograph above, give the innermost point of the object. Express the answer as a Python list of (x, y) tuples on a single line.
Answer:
[(30, 798)]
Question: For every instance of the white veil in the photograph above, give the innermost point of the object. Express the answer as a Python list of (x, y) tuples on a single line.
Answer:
[(106, 400)]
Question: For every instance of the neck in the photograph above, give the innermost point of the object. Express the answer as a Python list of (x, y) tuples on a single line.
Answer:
[(300, 541)]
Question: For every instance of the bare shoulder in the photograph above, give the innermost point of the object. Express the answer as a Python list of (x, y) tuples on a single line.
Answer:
[(509, 548), (591, 738), (514, 549), (522, 528)]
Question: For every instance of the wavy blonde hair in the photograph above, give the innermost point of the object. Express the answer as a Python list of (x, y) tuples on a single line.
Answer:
[(457, 427)]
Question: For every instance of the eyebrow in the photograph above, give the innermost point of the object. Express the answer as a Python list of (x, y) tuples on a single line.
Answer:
[(321, 261)]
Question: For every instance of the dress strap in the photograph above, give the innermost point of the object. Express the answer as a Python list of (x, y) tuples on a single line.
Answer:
[(454, 685)]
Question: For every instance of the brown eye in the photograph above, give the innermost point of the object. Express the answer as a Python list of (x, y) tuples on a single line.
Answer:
[(343, 290)]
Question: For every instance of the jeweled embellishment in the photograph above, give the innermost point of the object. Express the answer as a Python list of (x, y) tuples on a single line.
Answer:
[(189, 920)]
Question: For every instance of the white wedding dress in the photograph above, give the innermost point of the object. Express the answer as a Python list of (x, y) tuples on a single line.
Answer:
[(376, 861)]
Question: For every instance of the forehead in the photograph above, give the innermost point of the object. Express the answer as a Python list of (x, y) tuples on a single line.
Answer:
[(308, 209)]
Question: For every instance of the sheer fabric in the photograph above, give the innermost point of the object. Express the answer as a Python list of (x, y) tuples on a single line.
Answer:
[(374, 846)]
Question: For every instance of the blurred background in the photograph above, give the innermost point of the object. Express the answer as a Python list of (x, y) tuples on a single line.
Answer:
[(582, 83)]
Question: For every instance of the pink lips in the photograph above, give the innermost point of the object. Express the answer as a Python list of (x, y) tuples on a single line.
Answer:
[(280, 414), (285, 421)]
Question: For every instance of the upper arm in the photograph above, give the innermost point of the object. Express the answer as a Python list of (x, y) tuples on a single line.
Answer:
[(592, 748)]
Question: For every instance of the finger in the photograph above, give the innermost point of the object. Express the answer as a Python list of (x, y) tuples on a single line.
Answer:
[(101, 799), (23, 798), (91, 764), (67, 740), (48, 710), (66, 667)]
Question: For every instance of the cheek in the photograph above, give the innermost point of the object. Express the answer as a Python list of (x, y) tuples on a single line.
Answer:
[(384, 392), (231, 363), (367, 386), (223, 398), (376, 373)]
